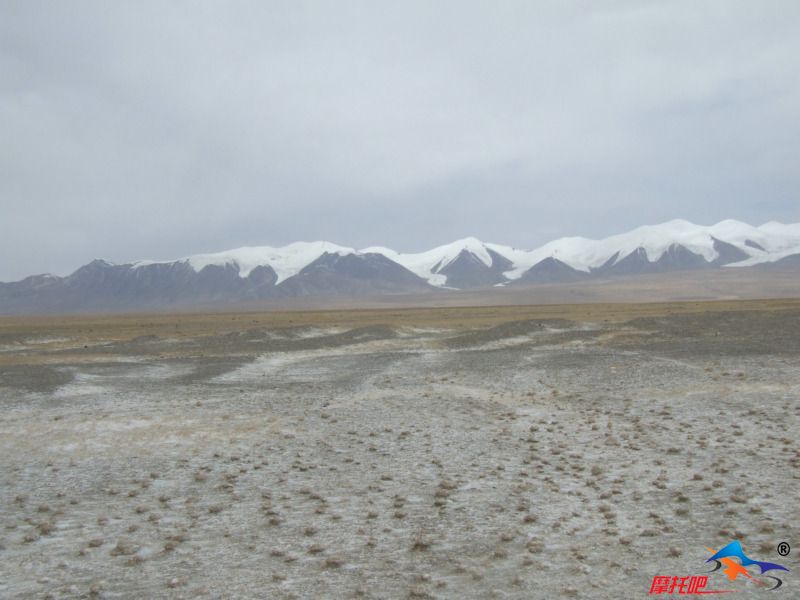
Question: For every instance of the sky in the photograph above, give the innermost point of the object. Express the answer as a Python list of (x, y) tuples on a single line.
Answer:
[(156, 130)]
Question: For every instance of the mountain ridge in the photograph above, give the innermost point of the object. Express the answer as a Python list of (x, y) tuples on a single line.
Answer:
[(321, 268)]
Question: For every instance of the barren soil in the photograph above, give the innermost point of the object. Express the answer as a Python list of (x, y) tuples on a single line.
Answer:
[(512, 452)]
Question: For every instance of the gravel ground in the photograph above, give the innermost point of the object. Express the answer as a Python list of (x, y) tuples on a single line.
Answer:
[(533, 459)]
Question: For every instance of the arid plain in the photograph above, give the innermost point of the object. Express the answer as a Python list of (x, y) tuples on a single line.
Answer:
[(489, 452)]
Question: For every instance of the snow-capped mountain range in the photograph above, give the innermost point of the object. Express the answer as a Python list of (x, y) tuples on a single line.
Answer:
[(768, 243), (323, 268)]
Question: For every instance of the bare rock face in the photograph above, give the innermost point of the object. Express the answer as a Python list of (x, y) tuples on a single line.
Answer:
[(676, 258), (103, 286), (551, 270), (351, 274), (469, 271)]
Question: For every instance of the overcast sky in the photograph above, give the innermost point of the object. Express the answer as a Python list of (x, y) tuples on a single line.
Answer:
[(155, 130)]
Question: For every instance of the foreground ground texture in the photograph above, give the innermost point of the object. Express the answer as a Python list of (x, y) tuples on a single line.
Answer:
[(531, 452)]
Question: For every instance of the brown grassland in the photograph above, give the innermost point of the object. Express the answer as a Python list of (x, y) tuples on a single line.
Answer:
[(61, 332)]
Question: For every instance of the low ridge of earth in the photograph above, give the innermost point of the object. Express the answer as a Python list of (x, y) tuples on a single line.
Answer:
[(487, 452)]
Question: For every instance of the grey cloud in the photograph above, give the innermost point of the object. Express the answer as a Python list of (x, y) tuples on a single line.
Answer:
[(153, 130)]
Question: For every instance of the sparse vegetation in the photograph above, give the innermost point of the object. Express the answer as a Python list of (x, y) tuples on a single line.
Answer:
[(329, 464)]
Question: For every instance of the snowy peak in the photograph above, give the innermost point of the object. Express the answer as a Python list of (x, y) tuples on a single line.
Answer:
[(677, 243), (653, 240), (286, 261), (433, 265)]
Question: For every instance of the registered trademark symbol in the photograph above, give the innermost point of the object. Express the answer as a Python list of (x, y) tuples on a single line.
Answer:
[(784, 549)]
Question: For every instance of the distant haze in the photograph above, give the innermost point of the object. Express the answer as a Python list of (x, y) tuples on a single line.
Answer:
[(149, 130)]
